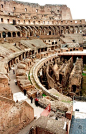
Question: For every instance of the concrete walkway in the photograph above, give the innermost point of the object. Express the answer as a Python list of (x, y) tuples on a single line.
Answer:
[(19, 95), (78, 123)]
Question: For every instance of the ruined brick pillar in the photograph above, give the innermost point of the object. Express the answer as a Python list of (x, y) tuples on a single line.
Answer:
[(82, 56), (1, 35)]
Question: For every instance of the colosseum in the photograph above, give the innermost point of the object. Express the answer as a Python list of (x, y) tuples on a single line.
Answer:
[(42, 67)]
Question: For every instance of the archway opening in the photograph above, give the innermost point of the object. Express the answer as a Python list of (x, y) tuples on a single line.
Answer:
[(14, 34), (9, 34), (18, 33), (31, 33), (4, 34), (60, 78), (49, 32), (25, 91), (14, 22)]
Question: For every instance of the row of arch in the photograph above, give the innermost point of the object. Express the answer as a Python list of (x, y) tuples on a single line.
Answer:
[(9, 34), (27, 31), (50, 30), (28, 54), (32, 21)]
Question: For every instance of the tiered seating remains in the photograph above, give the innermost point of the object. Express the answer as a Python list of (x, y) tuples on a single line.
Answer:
[(23, 78)]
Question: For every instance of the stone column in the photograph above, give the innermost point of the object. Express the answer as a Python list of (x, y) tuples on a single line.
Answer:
[(59, 29), (20, 34), (69, 30), (1, 35), (16, 34), (6, 34)]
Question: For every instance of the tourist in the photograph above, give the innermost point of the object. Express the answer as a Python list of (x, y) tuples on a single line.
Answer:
[(13, 71), (56, 118), (31, 98), (36, 101), (15, 82), (24, 92)]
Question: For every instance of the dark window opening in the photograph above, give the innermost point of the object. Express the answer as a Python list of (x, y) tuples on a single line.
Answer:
[(25, 91), (14, 22), (1, 6), (23, 55), (52, 48), (8, 20), (24, 21), (42, 50), (74, 88), (52, 43), (18, 21), (14, 8), (33, 52), (1, 19), (33, 22), (19, 57), (38, 50), (46, 49), (49, 32), (39, 22), (31, 33), (74, 41)]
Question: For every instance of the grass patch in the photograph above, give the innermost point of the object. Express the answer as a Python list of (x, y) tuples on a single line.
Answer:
[(83, 74), (56, 94), (29, 76), (66, 101), (43, 95), (84, 68), (83, 91), (37, 85)]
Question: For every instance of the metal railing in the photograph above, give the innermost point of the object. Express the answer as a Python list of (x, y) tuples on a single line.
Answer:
[(79, 98)]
